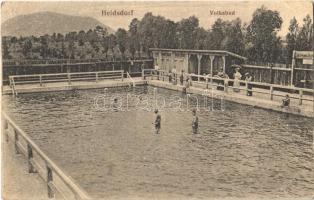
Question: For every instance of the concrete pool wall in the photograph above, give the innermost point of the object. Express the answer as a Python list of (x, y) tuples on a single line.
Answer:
[(306, 109), (196, 89)]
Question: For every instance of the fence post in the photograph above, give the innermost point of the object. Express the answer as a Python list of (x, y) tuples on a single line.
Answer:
[(226, 83), (122, 74), (300, 96), (40, 80), (69, 78), (246, 87), (49, 181), (16, 140), (271, 92), (143, 77), (5, 129), (31, 168), (96, 77), (206, 80)]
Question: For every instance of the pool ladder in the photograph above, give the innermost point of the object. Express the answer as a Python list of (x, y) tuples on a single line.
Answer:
[(129, 76), (12, 85)]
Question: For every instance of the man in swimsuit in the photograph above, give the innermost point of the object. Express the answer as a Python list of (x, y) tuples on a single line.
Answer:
[(194, 122), (115, 105), (157, 122)]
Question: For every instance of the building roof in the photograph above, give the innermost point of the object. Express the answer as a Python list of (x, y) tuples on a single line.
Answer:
[(201, 51)]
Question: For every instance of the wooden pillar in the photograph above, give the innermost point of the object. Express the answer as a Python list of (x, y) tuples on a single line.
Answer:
[(186, 66), (159, 60), (292, 69), (211, 64), (224, 63), (49, 182), (16, 141), (211, 70), (31, 168), (271, 74), (172, 60), (199, 58)]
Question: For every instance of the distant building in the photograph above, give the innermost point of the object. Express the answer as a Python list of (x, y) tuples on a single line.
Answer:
[(302, 68), (196, 61)]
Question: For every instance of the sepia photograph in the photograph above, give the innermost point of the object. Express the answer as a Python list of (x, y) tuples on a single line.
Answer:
[(157, 100)]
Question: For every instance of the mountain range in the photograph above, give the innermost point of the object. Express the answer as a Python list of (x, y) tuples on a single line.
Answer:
[(42, 23)]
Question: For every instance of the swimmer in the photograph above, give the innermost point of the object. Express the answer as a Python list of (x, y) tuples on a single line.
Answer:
[(184, 90), (194, 122), (286, 101), (115, 104), (157, 122)]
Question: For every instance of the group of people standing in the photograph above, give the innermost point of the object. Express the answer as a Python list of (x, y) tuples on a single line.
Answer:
[(222, 84), (237, 78), (172, 77)]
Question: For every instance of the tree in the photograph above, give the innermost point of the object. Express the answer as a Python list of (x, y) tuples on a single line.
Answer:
[(121, 39), (185, 31), (101, 32), (156, 32), (134, 38), (292, 38), (262, 35), (27, 48), (200, 36), (305, 36), (217, 35), (146, 31), (44, 46), (234, 38), (5, 49), (105, 45), (167, 35), (112, 42)]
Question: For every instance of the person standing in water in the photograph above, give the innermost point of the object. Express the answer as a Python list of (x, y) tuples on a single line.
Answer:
[(115, 105), (157, 122), (194, 122)]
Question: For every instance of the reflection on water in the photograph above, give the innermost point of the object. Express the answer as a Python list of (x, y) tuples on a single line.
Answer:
[(240, 152)]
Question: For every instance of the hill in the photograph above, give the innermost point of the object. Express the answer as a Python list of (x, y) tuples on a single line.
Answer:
[(42, 23)]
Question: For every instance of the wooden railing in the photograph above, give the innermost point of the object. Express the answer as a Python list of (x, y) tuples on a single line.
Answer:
[(209, 81), (68, 61), (66, 77), (59, 185)]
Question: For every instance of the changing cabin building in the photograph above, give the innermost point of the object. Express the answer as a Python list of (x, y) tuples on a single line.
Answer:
[(200, 62)]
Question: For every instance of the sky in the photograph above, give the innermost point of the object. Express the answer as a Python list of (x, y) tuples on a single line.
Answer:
[(174, 10)]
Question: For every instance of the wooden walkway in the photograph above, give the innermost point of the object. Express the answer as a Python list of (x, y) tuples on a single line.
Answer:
[(17, 183), (257, 100), (260, 96), (63, 86)]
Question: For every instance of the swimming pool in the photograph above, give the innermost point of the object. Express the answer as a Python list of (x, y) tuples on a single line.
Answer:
[(240, 151)]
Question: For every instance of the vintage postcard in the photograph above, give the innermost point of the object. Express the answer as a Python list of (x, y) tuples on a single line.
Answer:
[(157, 100)]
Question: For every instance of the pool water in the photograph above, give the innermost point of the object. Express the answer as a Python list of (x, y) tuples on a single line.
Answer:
[(240, 151)]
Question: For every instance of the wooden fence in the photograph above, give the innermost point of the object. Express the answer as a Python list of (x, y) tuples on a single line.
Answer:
[(59, 185), (270, 90), (299, 77), (61, 66)]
